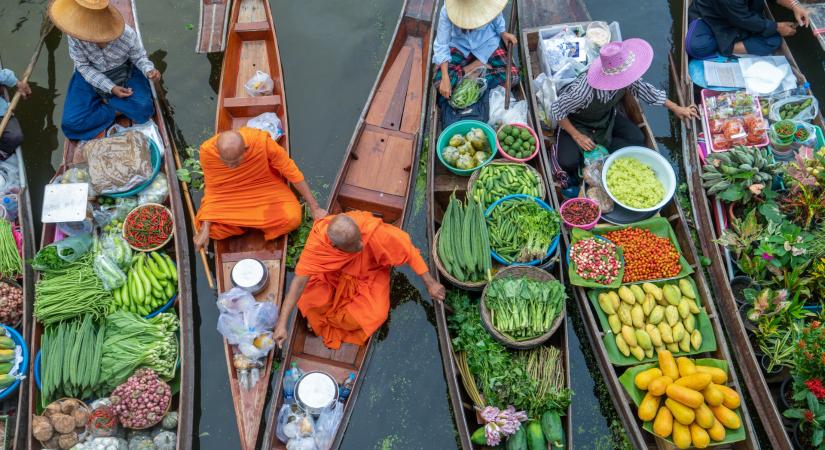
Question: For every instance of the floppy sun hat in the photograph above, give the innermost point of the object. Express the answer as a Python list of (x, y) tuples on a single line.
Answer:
[(87, 20), (620, 64), (472, 14)]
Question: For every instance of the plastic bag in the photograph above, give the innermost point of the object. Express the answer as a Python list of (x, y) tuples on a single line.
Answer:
[(294, 424), (260, 84), (261, 316), (247, 323), (116, 248), (148, 129), (72, 248), (545, 95), (283, 415), (268, 122), (599, 195), (10, 175), (105, 214), (517, 113), (156, 192), (231, 327), (118, 163), (327, 425), (796, 107), (596, 156), (108, 272), (592, 173), (235, 301), (477, 77), (256, 345), (77, 174), (301, 444)]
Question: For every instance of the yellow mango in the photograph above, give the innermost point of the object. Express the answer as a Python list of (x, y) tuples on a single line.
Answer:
[(699, 436), (696, 339), (694, 307), (673, 347), (678, 332), (717, 431), (686, 288), (672, 294), (727, 417), (704, 416), (731, 399), (671, 315), (629, 335), (685, 396), (638, 293), (668, 365), (637, 316), (686, 366), (684, 344), (717, 375), (649, 407), (647, 304), (614, 299), (627, 295), (651, 288), (606, 304), (643, 339), (624, 314), (681, 413), (666, 332), (655, 336), (657, 314), (625, 349), (713, 396), (663, 425), (697, 381), (690, 323), (649, 353), (658, 385), (638, 352), (615, 323), (681, 435), (644, 377)]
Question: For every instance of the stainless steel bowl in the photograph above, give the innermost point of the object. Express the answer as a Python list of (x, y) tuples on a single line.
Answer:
[(251, 275), (315, 392)]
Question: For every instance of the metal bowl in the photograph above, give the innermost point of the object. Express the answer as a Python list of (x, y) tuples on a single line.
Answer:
[(315, 392), (250, 275)]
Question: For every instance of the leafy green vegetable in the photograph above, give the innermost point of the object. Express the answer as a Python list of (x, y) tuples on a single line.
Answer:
[(521, 230), (47, 260), (191, 171), (523, 308), (297, 239)]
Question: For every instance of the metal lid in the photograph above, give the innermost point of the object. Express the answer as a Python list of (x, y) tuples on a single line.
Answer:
[(248, 273), (316, 390)]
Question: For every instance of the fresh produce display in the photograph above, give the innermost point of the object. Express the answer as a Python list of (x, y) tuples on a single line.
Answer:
[(516, 141), (646, 255), (790, 109), (579, 212), (11, 303), (463, 242), (648, 318), (498, 180), (634, 183), (152, 282), (47, 259), (467, 92), (595, 260), (298, 238), (733, 119), (142, 400), (523, 308), (11, 264), (7, 361), (499, 424), (61, 424), (148, 226), (521, 230), (69, 292), (739, 174), (70, 360), (687, 401), (467, 151)]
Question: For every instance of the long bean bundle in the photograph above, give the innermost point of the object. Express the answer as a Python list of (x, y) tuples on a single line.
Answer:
[(70, 292), (524, 308), (521, 230), (543, 364), (10, 263)]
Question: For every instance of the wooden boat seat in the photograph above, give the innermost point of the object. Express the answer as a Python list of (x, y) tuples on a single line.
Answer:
[(252, 31), (389, 207), (251, 106)]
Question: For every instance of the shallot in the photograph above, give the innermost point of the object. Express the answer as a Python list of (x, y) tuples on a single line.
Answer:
[(142, 400)]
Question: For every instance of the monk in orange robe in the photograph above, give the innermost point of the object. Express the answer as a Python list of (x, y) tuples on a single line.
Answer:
[(342, 280), (245, 176)]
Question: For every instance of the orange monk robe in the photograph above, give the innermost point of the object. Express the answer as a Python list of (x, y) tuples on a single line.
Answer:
[(347, 296), (253, 195)]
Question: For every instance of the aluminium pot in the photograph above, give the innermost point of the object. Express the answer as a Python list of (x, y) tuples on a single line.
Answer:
[(315, 392), (250, 275)]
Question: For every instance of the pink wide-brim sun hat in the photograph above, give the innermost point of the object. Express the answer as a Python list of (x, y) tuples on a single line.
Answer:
[(620, 64)]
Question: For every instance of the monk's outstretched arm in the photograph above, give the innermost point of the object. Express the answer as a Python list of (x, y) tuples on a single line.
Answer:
[(302, 187), (291, 299)]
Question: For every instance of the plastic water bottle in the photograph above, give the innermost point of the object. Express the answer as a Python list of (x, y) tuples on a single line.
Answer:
[(802, 90), (346, 389), (291, 378), (10, 204)]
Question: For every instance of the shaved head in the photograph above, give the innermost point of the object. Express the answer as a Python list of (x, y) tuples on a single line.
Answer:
[(231, 148), (344, 234)]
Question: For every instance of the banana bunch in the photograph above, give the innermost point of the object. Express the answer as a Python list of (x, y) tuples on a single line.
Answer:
[(739, 173), (647, 318)]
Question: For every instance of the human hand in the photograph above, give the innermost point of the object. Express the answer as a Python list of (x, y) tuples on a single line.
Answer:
[(153, 75), (121, 92), (786, 29), (584, 142), (686, 112), (24, 89), (445, 88), (802, 15), (509, 38), (318, 213), (201, 239), (279, 335), (437, 290)]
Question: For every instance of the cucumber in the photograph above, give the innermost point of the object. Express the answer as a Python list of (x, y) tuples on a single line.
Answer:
[(535, 437), (169, 290), (479, 437), (6, 367), (552, 428), (161, 264), (517, 440), (155, 270), (172, 270), (6, 355)]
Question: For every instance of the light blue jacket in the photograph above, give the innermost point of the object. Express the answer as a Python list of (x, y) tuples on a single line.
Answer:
[(7, 78), (481, 42)]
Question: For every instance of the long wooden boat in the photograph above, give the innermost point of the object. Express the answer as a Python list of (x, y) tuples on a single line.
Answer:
[(212, 27), (568, 12), (24, 219), (708, 229), (376, 176), (441, 183), (183, 402), (251, 46)]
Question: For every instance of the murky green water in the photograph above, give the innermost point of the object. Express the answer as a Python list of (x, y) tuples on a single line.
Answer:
[(331, 52)]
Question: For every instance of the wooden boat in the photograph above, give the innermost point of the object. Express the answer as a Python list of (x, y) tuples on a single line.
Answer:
[(706, 214), (569, 12), (441, 183), (183, 402), (212, 27), (24, 214), (251, 46), (386, 141)]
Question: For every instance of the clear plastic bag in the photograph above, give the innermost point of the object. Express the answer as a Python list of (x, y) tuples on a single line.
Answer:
[(10, 175), (104, 215), (234, 301), (77, 174), (268, 122), (306, 443), (256, 345), (599, 195), (156, 192), (592, 172), (118, 163), (261, 316), (260, 84), (247, 323), (108, 272), (148, 129), (795, 107), (72, 248), (294, 424), (116, 248), (476, 76), (283, 415), (327, 425), (517, 113), (546, 95)]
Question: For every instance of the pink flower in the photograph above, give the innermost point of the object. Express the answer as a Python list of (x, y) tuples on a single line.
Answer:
[(767, 256), (757, 188)]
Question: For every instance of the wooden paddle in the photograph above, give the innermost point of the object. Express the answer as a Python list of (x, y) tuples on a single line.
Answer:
[(46, 27), (508, 81), (187, 197)]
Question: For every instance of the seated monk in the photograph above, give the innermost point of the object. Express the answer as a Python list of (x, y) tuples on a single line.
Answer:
[(245, 175), (342, 280)]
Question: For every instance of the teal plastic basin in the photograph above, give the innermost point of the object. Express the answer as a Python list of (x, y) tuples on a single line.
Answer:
[(463, 126)]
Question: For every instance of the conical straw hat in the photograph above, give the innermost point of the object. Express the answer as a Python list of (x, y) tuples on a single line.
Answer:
[(87, 20), (472, 14)]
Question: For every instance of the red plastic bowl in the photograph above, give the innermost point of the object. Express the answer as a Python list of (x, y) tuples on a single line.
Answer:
[(512, 158), (587, 226)]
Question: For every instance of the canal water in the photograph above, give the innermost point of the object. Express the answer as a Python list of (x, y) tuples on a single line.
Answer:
[(331, 52)]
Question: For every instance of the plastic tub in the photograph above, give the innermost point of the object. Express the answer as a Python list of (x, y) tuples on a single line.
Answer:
[(24, 365), (462, 127), (661, 167), (512, 158), (588, 226), (553, 246), (156, 159)]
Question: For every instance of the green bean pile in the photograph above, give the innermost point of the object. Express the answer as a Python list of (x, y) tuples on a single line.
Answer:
[(10, 263), (70, 292), (466, 93)]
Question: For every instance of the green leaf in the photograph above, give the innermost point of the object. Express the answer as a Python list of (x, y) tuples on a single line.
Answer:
[(184, 175), (794, 413), (732, 194), (819, 433)]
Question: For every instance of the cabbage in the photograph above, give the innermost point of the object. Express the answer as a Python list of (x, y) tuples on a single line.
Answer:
[(457, 140), (465, 162), (450, 154)]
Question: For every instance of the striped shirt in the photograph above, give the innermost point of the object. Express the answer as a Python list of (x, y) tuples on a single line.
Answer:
[(578, 95), (91, 60)]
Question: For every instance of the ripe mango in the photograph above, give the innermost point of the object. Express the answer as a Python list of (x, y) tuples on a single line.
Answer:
[(663, 425), (645, 377), (694, 307), (672, 294), (606, 304), (713, 396), (690, 323), (684, 344), (637, 316), (672, 315), (668, 365), (686, 366), (674, 347), (615, 323), (699, 436), (643, 340), (717, 375), (625, 349), (681, 413), (697, 381), (681, 435), (686, 288), (651, 288), (666, 332), (655, 336), (627, 295), (629, 335), (614, 299), (647, 304), (696, 339), (685, 396), (659, 385), (727, 417), (678, 332), (637, 352), (683, 308), (624, 314), (649, 407), (717, 431), (637, 292), (731, 399), (649, 353), (656, 315), (704, 416)]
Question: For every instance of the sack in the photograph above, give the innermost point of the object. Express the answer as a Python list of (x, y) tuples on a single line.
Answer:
[(795, 107), (327, 425), (118, 163), (517, 113), (268, 122), (259, 85), (73, 247), (157, 192)]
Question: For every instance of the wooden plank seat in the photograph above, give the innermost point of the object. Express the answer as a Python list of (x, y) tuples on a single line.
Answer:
[(252, 31), (387, 206), (251, 106)]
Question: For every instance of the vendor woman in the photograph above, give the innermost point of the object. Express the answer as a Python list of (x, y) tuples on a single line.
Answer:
[(471, 34), (586, 109)]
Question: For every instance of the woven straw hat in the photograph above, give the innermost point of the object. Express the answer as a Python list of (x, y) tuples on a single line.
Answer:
[(87, 20), (472, 14)]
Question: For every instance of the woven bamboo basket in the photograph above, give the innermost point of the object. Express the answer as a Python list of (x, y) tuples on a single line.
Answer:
[(468, 285), (501, 161), (532, 273)]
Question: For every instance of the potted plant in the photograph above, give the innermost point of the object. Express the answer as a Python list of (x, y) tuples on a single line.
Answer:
[(739, 283), (808, 387), (778, 349)]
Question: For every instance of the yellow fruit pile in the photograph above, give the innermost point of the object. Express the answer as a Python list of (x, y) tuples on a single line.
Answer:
[(687, 402), (649, 318)]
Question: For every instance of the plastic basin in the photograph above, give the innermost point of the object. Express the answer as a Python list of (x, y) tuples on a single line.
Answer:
[(24, 365), (512, 158), (587, 226), (661, 167), (550, 250), (462, 127), (156, 159)]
